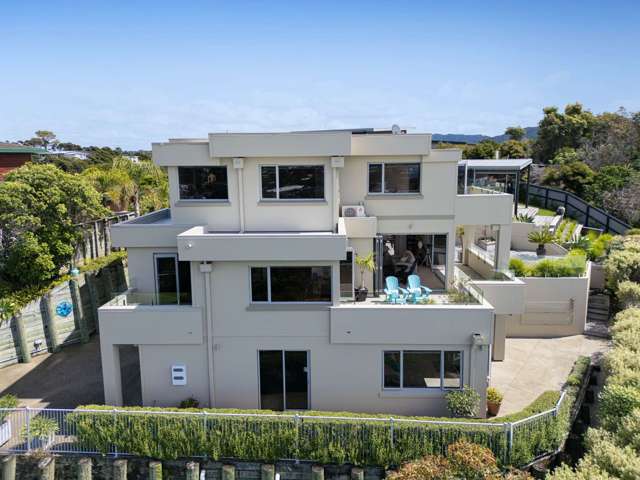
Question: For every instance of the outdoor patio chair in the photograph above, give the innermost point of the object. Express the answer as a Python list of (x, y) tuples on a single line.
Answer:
[(395, 293), (416, 290)]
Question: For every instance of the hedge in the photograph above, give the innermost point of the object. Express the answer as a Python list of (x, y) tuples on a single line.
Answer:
[(613, 450), (269, 436), (573, 265)]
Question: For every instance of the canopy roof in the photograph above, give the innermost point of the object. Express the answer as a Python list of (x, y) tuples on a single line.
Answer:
[(506, 164)]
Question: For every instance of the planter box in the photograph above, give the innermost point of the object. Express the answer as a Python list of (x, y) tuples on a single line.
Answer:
[(5, 432), (485, 243), (42, 443)]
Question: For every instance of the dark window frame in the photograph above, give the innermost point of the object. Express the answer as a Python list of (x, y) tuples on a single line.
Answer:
[(179, 292), (442, 386), (277, 178), (269, 300), (383, 183), (206, 199)]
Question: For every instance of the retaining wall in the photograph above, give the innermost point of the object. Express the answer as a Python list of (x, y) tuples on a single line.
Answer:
[(106, 468)]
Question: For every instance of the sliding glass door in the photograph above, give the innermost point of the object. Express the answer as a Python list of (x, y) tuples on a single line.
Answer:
[(284, 380)]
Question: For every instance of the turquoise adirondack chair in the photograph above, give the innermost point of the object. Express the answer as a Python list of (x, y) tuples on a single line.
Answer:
[(416, 290), (395, 293)]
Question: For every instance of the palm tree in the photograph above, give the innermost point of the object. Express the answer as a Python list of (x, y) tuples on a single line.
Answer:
[(141, 173), (115, 185), (541, 237)]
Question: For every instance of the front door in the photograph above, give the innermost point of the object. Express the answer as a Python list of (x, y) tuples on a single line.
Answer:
[(284, 380)]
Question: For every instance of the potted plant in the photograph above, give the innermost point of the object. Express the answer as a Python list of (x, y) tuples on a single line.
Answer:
[(6, 401), (41, 432), (494, 400), (463, 403), (541, 237), (365, 263)]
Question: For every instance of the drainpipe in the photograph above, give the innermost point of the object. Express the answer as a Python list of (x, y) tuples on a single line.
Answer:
[(238, 164), (206, 268)]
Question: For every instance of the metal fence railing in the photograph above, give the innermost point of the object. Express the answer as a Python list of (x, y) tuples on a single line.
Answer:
[(575, 207), (100, 431)]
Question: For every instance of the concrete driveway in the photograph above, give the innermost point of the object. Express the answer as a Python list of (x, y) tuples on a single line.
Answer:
[(534, 365), (65, 379)]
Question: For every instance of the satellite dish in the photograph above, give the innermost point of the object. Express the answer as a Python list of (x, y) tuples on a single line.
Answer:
[(395, 129)]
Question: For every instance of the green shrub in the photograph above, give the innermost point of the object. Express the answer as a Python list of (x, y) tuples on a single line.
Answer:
[(463, 403), (599, 246), (572, 265), (189, 403), (586, 470), (7, 401), (431, 467), (621, 266), (518, 267), (616, 401), (494, 395), (629, 294), (471, 461), (40, 427), (621, 461), (622, 367), (331, 440), (629, 430)]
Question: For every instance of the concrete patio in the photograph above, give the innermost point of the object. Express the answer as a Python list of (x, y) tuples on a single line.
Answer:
[(534, 365)]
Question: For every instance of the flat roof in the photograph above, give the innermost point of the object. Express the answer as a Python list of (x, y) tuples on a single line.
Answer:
[(497, 164), (17, 148)]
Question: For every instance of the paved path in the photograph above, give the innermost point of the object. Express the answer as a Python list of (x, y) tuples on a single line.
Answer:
[(62, 380), (534, 365)]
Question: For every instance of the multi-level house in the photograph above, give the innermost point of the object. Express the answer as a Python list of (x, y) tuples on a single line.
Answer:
[(243, 290)]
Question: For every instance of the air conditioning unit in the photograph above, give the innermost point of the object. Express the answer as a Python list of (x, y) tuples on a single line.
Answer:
[(353, 211)]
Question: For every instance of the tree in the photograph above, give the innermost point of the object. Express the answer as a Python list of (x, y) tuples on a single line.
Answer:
[(40, 207), (610, 179), (515, 133), (484, 149), (624, 203), (573, 176), (557, 130), (615, 140), (125, 184), (46, 138), (514, 149)]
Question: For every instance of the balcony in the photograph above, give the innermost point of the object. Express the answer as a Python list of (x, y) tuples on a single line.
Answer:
[(445, 318), (145, 318), (201, 244)]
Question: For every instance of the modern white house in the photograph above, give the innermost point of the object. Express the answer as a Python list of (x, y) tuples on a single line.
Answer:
[(243, 291)]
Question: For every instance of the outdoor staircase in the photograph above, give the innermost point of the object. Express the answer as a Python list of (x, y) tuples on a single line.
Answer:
[(598, 315)]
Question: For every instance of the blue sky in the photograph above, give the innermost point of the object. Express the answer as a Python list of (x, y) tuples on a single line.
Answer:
[(126, 73)]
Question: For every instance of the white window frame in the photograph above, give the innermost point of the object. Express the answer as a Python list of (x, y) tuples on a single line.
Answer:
[(369, 192), (269, 301), (413, 389), (277, 197)]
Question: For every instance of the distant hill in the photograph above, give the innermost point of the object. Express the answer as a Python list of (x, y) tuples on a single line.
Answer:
[(531, 133)]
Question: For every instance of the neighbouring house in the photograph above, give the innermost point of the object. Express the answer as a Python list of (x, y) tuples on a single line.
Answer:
[(243, 291), (14, 155)]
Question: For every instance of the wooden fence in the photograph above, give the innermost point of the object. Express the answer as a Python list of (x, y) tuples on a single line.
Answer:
[(66, 314), (96, 237)]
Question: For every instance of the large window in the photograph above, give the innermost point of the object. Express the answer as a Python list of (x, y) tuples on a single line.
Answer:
[(291, 284), (292, 182), (422, 369), (203, 183), (394, 178), (173, 279)]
